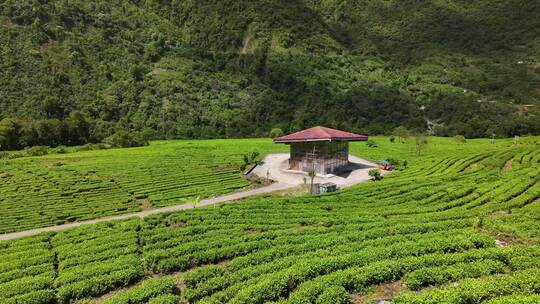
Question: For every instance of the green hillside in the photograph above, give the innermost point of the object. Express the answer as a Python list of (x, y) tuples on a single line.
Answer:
[(189, 69)]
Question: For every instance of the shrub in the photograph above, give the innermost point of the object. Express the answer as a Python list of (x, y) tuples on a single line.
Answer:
[(371, 143), (442, 274), (401, 133), (192, 278), (165, 299), (149, 289), (393, 161), (478, 290), (98, 284), (460, 139), (375, 174), (33, 297), (125, 139), (60, 150), (8, 155), (87, 147), (251, 159), (90, 147), (392, 138), (37, 151), (397, 164), (420, 142), (334, 295), (516, 299)]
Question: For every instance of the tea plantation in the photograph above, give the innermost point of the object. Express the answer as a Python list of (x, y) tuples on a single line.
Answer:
[(62, 188), (460, 224)]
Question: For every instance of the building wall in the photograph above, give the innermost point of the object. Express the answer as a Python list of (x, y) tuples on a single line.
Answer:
[(324, 157)]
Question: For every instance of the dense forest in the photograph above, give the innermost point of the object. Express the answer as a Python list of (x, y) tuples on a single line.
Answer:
[(82, 71)]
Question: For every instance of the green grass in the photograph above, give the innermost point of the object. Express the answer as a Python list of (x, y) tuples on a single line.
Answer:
[(422, 228)]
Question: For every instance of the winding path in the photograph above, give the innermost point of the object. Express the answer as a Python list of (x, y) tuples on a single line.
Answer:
[(141, 214)]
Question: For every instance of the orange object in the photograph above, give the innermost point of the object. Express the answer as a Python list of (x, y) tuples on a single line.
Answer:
[(386, 167)]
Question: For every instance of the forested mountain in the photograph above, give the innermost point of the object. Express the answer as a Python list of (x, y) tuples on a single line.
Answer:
[(77, 71)]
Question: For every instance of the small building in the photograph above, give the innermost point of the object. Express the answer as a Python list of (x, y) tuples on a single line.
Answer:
[(327, 187), (321, 149)]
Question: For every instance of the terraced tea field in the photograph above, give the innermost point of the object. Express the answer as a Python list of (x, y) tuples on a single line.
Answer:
[(62, 188), (460, 225)]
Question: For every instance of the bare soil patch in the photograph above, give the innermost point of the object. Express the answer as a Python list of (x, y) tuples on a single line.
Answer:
[(501, 243), (223, 263), (382, 293), (504, 239), (55, 165), (7, 21), (507, 166), (471, 167), (501, 213), (388, 291), (251, 230), (178, 225), (145, 204)]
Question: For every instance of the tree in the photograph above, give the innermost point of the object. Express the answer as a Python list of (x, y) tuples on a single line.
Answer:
[(251, 159), (276, 132), (421, 141), (9, 133), (311, 174), (78, 127), (490, 132), (401, 133), (49, 132), (124, 139)]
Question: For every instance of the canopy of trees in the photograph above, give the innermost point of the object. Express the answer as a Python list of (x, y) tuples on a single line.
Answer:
[(79, 71)]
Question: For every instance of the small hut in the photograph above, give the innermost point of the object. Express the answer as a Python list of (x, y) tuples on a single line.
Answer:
[(321, 149)]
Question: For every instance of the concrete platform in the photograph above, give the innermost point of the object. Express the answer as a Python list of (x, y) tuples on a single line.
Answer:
[(276, 167)]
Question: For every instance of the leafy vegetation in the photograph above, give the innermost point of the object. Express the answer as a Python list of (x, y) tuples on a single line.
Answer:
[(458, 225), (27, 271), (95, 259), (75, 72), (157, 291), (251, 159), (62, 188), (375, 174)]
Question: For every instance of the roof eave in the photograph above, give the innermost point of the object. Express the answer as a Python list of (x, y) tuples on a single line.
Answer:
[(286, 141)]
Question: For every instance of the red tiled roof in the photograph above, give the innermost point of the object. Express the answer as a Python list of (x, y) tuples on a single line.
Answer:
[(320, 134)]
